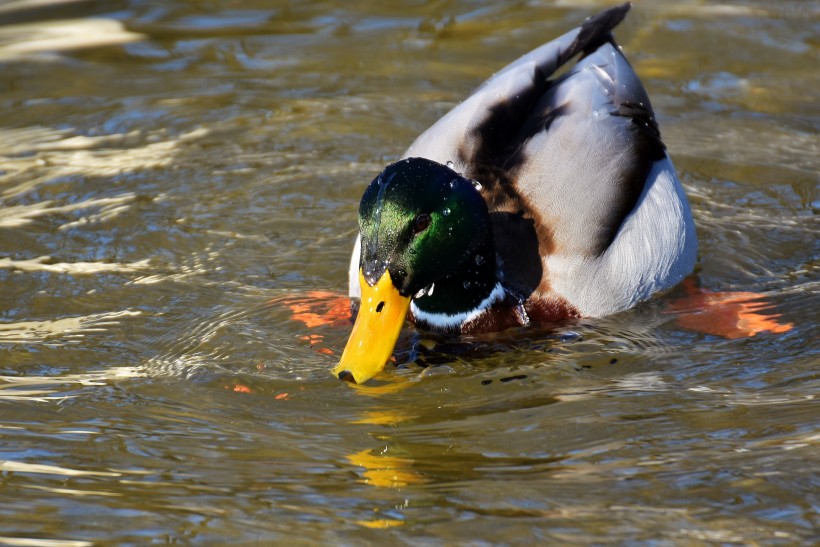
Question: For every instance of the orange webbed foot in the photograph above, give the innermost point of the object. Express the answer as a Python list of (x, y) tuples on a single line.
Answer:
[(728, 314)]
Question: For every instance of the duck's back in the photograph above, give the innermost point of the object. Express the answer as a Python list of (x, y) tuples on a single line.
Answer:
[(586, 205)]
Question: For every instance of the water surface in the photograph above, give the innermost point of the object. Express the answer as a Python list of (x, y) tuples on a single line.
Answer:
[(178, 179)]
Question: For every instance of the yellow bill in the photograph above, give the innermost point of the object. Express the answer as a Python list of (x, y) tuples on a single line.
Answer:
[(381, 316)]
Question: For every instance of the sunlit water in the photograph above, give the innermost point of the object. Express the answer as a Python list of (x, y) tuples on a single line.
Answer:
[(178, 179)]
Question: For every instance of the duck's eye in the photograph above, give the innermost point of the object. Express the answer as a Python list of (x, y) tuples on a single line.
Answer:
[(420, 223)]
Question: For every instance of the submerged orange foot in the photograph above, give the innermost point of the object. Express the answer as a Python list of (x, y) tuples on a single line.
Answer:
[(727, 314), (319, 308)]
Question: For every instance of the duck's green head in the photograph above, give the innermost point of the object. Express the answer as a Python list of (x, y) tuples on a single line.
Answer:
[(419, 221)]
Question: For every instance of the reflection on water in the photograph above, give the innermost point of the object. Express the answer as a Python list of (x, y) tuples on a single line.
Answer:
[(178, 193)]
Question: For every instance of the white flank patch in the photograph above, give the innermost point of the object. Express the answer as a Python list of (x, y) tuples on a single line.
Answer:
[(654, 250), (447, 321)]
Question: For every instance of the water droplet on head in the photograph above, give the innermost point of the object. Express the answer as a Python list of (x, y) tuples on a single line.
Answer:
[(446, 211), (476, 185), (454, 183), (479, 260), (450, 164), (467, 284)]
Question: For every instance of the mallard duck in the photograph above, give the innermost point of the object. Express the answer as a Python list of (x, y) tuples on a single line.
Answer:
[(536, 199)]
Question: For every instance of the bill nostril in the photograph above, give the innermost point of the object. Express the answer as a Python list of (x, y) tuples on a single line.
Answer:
[(379, 307)]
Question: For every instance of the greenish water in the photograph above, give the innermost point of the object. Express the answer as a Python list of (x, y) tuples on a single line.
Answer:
[(177, 177)]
